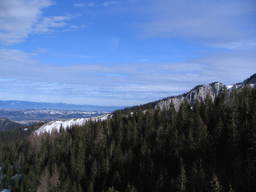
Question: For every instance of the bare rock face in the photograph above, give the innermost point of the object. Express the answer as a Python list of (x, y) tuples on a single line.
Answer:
[(199, 93)]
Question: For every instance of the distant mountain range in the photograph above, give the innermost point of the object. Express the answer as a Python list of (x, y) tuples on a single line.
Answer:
[(23, 105), (25, 113), (197, 94), (30, 116), (6, 124), (21, 110)]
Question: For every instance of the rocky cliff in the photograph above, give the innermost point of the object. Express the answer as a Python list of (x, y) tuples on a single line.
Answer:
[(201, 92)]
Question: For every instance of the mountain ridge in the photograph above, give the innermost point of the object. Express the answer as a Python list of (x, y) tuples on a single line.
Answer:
[(201, 92), (16, 104), (6, 124), (198, 93)]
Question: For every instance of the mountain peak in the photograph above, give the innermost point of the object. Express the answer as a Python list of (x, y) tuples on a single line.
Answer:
[(198, 93), (251, 79), (201, 92)]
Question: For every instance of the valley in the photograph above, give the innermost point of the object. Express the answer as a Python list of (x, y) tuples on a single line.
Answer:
[(194, 147)]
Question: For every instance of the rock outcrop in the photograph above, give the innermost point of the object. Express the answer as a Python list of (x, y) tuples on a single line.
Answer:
[(201, 92)]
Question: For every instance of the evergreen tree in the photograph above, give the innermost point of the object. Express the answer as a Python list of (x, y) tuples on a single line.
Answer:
[(182, 178), (214, 185)]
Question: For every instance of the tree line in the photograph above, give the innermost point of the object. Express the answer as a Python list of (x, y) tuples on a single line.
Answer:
[(207, 147)]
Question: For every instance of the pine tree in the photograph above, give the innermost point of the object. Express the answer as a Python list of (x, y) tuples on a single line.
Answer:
[(130, 188), (90, 187), (111, 189), (182, 178), (44, 182), (214, 185)]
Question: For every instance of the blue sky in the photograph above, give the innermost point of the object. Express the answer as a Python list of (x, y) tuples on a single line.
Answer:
[(122, 52)]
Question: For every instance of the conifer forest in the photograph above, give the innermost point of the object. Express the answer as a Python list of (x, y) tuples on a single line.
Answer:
[(207, 147)]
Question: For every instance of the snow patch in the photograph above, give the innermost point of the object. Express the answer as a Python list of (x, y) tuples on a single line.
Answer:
[(65, 124), (6, 190)]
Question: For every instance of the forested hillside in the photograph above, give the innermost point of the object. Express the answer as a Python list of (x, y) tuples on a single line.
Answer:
[(207, 147)]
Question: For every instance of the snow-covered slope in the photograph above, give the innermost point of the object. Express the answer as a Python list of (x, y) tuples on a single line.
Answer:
[(198, 94), (65, 124), (251, 82)]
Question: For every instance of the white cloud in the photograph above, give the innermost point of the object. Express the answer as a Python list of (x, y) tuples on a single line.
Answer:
[(17, 18), (21, 18), (73, 28), (49, 24), (109, 3), (79, 5), (99, 4), (236, 45), (119, 84), (225, 22)]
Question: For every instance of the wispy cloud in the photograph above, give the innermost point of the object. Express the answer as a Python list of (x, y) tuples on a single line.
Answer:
[(109, 3), (80, 5), (74, 28), (21, 18), (236, 45), (49, 24), (119, 83), (226, 23), (17, 18), (97, 4)]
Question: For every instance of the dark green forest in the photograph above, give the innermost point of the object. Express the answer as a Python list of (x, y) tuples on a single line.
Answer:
[(207, 147)]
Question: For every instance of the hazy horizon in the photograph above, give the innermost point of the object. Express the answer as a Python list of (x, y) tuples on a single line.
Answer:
[(122, 52)]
